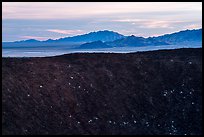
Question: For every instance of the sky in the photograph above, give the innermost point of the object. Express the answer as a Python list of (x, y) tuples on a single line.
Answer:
[(53, 20)]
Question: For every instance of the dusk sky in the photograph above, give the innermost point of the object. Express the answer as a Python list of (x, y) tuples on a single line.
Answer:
[(44, 20)]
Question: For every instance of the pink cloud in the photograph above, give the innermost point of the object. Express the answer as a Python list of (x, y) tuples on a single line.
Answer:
[(65, 31), (161, 24), (39, 38), (145, 23), (35, 37), (194, 26), (44, 10)]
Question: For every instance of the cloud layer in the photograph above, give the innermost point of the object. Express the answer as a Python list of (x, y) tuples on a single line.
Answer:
[(69, 32), (60, 19), (63, 10)]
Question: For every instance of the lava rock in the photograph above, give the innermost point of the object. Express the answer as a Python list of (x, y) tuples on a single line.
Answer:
[(143, 93)]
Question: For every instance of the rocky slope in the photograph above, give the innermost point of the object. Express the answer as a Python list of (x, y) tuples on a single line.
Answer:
[(147, 93)]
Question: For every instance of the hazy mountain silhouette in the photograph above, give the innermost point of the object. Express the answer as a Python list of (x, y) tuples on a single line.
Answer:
[(133, 41), (130, 41), (182, 37), (27, 41), (94, 45), (186, 36), (108, 39), (92, 36)]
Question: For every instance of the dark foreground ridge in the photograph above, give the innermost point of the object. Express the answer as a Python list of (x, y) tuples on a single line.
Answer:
[(157, 92)]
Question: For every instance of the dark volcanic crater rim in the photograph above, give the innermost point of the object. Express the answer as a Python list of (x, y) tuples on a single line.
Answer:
[(143, 93)]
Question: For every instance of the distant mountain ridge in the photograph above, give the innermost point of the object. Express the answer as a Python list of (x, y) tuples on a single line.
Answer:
[(93, 45), (29, 40), (109, 39), (132, 41), (103, 36), (181, 37)]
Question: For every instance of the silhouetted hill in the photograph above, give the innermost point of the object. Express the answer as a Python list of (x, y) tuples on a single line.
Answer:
[(185, 37), (93, 36), (133, 41), (93, 45), (144, 93)]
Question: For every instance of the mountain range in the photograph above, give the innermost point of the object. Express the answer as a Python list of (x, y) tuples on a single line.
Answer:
[(182, 37), (109, 39), (103, 36)]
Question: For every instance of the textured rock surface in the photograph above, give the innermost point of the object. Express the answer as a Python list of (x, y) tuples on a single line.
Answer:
[(157, 92)]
